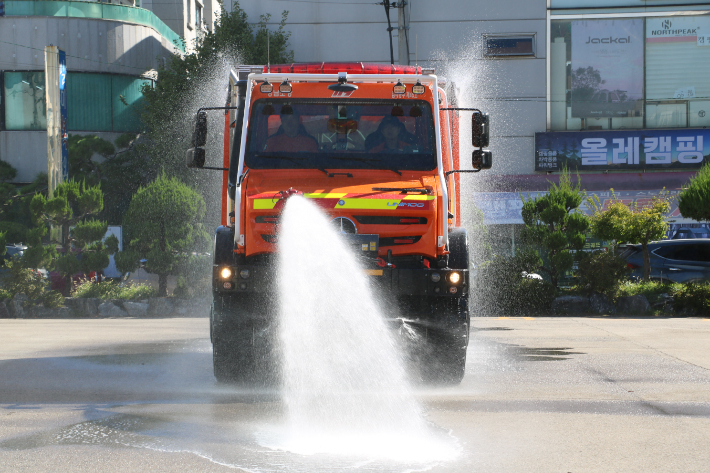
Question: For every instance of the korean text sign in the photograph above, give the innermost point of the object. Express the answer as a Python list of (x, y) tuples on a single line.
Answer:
[(622, 150)]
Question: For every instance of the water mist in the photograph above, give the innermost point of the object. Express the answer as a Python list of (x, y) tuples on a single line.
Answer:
[(344, 385)]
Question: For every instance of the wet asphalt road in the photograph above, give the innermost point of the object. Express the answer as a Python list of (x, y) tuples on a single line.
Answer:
[(540, 395)]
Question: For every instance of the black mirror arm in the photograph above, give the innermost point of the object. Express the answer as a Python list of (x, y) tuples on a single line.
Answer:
[(215, 108), (462, 109), (446, 174), (241, 178)]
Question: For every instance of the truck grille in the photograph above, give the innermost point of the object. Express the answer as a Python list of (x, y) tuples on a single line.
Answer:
[(403, 240), (388, 220)]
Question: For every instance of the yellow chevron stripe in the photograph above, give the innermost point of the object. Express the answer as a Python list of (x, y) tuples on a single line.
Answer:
[(383, 204), (419, 197), (264, 204)]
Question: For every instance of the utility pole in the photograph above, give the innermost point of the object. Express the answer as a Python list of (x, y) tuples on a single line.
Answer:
[(402, 31)]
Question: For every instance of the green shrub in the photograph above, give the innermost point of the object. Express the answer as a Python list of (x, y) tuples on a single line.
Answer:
[(501, 287), (21, 280), (113, 290), (694, 297), (532, 296), (137, 292), (601, 271), (181, 289), (5, 295), (651, 289)]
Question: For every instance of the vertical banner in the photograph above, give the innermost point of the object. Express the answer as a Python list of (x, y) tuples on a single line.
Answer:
[(607, 68), (54, 118), (63, 113)]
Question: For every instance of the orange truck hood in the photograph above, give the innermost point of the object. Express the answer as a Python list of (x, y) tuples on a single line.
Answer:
[(405, 222)]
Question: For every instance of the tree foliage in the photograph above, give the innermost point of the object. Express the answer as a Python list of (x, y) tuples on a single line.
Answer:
[(505, 286), (631, 224), (585, 82), (120, 168), (15, 217), (199, 78), (163, 224), (554, 223), (68, 210), (694, 200), (602, 272), (22, 280)]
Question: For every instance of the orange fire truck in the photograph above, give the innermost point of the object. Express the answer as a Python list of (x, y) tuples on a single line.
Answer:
[(376, 147)]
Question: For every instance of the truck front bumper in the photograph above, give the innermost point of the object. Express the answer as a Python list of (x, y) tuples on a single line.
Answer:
[(440, 282)]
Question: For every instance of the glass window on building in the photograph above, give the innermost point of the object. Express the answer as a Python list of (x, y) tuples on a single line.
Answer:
[(188, 6), (89, 102), (198, 15), (677, 71), (630, 73), (25, 107), (126, 102)]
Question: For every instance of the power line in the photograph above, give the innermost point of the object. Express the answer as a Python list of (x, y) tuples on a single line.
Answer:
[(332, 3), (77, 57)]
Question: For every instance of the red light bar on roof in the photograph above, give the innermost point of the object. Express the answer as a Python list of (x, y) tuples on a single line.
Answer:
[(335, 67)]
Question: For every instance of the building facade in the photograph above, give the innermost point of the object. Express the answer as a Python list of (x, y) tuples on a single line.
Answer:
[(187, 18), (112, 50), (616, 90)]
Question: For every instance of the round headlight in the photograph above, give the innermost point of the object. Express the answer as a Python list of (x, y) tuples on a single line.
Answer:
[(435, 277), (226, 273), (454, 278), (244, 273)]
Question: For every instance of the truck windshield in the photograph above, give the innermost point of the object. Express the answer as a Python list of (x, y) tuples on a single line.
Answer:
[(324, 134)]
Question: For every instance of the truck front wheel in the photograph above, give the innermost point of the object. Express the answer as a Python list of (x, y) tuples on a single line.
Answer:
[(242, 344), (445, 359)]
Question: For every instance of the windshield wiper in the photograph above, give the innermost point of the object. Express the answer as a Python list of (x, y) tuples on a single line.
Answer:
[(406, 190), (367, 161), (289, 158)]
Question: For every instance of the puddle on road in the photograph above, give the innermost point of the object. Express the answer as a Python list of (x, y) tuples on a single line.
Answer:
[(227, 443), (489, 329), (523, 353), (117, 431)]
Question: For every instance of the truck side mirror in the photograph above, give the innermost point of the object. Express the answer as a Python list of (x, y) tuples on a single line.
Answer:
[(480, 129), (195, 157), (201, 129), (481, 159)]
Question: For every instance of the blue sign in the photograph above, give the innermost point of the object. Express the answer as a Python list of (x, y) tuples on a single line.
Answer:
[(622, 150), (63, 112)]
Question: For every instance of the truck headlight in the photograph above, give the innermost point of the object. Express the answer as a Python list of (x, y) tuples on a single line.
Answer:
[(454, 278), (244, 273), (435, 277), (226, 273)]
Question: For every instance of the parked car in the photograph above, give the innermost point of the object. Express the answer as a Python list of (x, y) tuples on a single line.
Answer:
[(17, 250), (688, 233), (672, 260)]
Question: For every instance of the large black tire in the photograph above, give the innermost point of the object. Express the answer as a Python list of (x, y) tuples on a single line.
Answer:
[(444, 357), (232, 356), (224, 246), (458, 248), (446, 348), (242, 345)]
